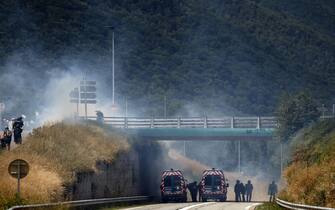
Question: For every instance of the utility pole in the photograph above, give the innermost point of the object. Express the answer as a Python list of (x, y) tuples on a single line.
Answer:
[(113, 72), (165, 107), (239, 156), (281, 158), (125, 106), (85, 92), (323, 111)]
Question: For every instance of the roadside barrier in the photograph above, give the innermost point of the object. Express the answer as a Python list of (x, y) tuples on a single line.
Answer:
[(85, 202), (295, 206)]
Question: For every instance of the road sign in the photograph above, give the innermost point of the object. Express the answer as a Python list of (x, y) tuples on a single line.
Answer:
[(88, 95), (88, 101), (74, 93), (88, 88), (74, 101), (88, 82), (18, 168)]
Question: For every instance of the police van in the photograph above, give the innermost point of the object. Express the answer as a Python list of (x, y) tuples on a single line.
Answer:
[(173, 186), (213, 186)]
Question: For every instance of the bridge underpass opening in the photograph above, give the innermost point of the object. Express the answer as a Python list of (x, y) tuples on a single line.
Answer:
[(184, 135)]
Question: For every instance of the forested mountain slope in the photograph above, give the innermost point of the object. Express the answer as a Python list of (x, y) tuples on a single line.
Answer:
[(216, 56)]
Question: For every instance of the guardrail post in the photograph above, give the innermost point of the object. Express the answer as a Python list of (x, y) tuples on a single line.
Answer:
[(232, 122), (258, 122), (125, 122), (179, 123), (205, 122), (152, 122)]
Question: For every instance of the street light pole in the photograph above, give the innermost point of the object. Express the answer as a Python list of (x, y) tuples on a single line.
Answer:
[(113, 74), (165, 107)]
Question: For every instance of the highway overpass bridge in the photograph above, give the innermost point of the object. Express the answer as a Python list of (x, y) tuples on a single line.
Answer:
[(195, 128)]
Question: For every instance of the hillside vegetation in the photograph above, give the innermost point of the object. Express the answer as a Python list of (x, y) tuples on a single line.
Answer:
[(54, 153), (311, 174), (205, 56)]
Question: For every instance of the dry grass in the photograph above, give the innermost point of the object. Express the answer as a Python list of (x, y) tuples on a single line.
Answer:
[(54, 153), (314, 185), (311, 176)]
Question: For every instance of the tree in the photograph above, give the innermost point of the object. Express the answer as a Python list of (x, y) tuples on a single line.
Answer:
[(295, 112)]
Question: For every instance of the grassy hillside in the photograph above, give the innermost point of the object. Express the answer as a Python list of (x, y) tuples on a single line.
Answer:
[(54, 153), (310, 176), (205, 56)]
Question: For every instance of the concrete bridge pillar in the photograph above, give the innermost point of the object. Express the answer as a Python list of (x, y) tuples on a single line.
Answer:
[(152, 122), (125, 122), (232, 122)]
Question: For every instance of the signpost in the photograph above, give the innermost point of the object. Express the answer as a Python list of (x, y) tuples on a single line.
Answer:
[(88, 93), (18, 169), (74, 98)]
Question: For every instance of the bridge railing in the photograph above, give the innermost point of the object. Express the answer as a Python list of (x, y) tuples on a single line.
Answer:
[(191, 122)]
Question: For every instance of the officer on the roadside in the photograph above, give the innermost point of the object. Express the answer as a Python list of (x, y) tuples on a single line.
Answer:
[(193, 188), (249, 188), (242, 190), (237, 190), (272, 191)]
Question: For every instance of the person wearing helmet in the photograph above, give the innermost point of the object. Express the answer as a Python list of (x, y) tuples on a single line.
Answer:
[(17, 128), (237, 190), (272, 191), (7, 135), (249, 188)]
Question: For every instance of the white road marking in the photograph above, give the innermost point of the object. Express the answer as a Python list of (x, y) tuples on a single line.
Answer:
[(253, 205), (196, 205), (139, 207)]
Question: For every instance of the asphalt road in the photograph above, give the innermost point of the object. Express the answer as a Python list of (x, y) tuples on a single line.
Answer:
[(196, 206)]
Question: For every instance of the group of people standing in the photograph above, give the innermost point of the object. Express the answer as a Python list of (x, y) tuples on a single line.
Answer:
[(16, 131), (243, 193)]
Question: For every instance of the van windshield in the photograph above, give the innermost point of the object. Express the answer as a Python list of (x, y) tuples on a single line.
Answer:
[(214, 180), (171, 181)]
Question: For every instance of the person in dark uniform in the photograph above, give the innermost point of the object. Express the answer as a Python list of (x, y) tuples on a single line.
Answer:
[(2, 141), (237, 190), (242, 190), (100, 117), (7, 135), (272, 191), (18, 128), (193, 188), (249, 188)]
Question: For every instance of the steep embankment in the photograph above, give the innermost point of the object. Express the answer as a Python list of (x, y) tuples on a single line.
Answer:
[(56, 153), (311, 174)]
